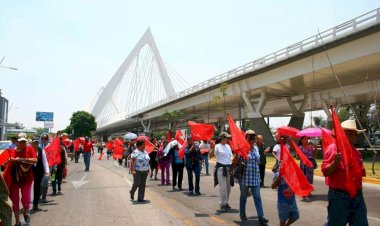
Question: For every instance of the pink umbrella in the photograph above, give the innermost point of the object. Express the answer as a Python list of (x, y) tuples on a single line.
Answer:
[(142, 138), (313, 132)]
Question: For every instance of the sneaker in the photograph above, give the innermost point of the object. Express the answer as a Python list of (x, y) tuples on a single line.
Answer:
[(263, 220), (191, 193), (53, 194), (228, 206), (180, 189), (59, 193), (142, 200), (174, 189), (198, 193), (27, 219), (243, 217), (223, 208), (132, 195)]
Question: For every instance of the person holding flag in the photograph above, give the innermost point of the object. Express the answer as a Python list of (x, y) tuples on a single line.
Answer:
[(344, 178), (286, 201), (251, 179), (205, 148), (177, 167)]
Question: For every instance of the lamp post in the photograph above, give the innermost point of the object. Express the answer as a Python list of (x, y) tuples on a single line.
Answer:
[(12, 68)]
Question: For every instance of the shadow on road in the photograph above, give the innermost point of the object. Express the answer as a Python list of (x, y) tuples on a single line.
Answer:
[(314, 198)]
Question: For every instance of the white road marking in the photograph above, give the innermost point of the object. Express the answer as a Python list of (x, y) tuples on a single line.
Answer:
[(129, 182), (78, 184)]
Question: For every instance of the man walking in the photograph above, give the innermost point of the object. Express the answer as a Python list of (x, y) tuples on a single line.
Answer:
[(88, 149), (193, 164)]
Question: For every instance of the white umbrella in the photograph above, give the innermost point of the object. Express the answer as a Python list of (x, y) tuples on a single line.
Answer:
[(130, 136)]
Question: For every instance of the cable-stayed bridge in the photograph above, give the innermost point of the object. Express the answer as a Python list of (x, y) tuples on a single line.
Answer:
[(290, 81)]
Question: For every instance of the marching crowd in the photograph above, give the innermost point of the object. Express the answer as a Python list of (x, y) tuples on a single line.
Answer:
[(28, 166)]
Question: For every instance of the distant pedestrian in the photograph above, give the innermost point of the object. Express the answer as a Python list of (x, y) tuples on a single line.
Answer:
[(153, 162), (205, 148), (286, 201), (88, 149), (164, 162), (193, 165), (177, 167), (223, 155), (13, 143), (263, 159), (40, 171), (309, 152), (140, 169), (59, 172)]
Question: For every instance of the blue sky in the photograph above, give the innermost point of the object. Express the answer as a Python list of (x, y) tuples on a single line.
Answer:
[(67, 49)]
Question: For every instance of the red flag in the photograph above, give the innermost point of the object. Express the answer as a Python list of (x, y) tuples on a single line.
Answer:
[(101, 156), (178, 137), (118, 149), (326, 140), (292, 174), (201, 131), (181, 151), (168, 136), (240, 144), (4, 157), (53, 152), (149, 147), (302, 156), (352, 167)]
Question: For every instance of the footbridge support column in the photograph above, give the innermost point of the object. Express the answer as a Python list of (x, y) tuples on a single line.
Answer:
[(256, 119), (298, 116), (146, 125)]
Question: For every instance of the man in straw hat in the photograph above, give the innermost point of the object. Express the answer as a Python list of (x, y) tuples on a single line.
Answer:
[(342, 208)]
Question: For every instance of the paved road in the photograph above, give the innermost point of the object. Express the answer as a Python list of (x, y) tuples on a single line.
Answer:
[(101, 197)]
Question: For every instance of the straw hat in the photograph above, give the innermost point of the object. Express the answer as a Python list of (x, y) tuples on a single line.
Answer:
[(351, 125)]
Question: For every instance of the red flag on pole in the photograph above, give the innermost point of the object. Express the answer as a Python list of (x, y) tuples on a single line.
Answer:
[(101, 156), (326, 140), (351, 165), (118, 149), (168, 136), (53, 152), (181, 152), (4, 157), (201, 131), (240, 144), (302, 156), (149, 147), (293, 174), (178, 137)]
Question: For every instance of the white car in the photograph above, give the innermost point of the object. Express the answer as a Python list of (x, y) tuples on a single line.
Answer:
[(4, 145)]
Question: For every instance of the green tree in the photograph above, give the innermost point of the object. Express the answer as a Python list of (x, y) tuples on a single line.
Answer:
[(39, 130), (82, 123), (344, 113), (173, 118)]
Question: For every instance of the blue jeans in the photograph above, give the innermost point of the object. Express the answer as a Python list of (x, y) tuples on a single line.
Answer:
[(196, 168), (205, 159), (86, 157), (255, 190), (287, 211), (342, 209)]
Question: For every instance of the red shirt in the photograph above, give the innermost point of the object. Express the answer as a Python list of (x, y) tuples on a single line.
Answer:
[(87, 146), (27, 153), (337, 179)]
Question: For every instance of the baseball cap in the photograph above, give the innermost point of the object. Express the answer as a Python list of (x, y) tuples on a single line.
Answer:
[(250, 132), (223, 135), (21, 137)]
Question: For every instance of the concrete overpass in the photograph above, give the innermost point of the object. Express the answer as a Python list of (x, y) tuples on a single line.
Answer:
[(290, 81)]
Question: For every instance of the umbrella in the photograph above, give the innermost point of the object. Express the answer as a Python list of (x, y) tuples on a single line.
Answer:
[(287, 131), (82, 138), (142, 138), (313, 132), (130, 136)]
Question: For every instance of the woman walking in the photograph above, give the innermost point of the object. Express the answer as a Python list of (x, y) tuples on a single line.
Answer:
[(309, 152), (223, 155), (164, 162), (140, 169), (19, 176)]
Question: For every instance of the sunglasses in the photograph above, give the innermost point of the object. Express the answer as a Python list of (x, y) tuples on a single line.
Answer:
[(43, 138), (251, 137)]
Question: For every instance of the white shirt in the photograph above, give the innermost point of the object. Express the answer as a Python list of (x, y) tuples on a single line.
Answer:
[(223, 154), (277, 150)]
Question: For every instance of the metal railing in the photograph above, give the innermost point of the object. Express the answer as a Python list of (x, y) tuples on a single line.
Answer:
[(352, 26)]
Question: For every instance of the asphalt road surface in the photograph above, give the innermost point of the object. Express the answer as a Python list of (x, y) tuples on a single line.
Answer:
[(101, 197)]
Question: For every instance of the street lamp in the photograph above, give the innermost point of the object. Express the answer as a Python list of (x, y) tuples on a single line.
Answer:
[(12, 68)]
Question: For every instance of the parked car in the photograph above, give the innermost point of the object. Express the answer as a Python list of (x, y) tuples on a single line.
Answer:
[(4, 145)]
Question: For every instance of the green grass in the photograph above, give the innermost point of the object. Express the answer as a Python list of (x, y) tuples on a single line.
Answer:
[(367, 164)]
